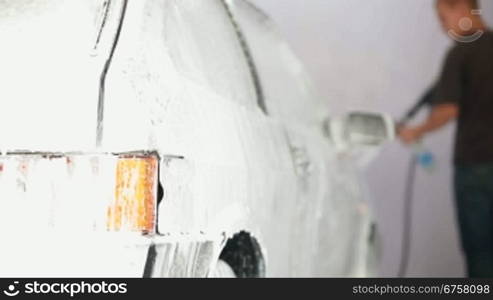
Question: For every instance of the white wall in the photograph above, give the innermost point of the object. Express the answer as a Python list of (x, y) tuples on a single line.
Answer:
[(381, 55)]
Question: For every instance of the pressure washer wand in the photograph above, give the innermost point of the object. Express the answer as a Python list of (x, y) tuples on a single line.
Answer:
[(425, 100), (422, 156)]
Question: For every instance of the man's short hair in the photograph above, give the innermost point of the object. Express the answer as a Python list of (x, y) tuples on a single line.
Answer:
[(473, 4)]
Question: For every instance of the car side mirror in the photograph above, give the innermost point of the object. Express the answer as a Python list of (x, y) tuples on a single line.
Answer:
[(360, 129), (363, 128)]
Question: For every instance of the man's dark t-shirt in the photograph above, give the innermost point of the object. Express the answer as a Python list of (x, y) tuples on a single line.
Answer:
[(467, 80)]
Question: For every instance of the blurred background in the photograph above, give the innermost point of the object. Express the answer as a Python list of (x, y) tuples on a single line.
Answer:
[(381, 55)]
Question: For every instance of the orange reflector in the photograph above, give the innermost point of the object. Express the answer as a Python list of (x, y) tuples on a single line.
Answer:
[(134, 207)]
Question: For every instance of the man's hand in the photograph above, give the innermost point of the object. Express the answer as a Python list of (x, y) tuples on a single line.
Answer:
[(439, 116), (410, 135)]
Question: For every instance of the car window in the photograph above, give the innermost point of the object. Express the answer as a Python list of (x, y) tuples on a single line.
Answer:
[(287, 89), (204, 47)]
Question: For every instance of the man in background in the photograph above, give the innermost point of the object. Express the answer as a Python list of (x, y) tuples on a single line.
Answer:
[(464, 92)]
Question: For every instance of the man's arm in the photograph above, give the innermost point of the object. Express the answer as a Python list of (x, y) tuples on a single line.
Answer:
[(447, 96), (439, 116)]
